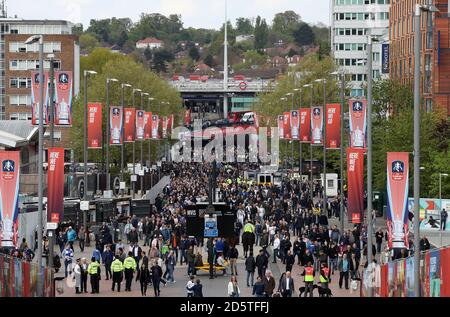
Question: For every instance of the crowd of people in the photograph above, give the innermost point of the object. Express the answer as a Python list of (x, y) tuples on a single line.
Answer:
[(273, 223)]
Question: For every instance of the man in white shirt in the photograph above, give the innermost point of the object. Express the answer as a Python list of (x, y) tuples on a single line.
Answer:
[(190, 287), (276, 248)]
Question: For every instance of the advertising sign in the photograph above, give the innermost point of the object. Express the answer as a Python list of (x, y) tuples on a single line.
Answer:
[(95, 126), (281, 126), (9, 195), (116, 125), (358, 123), (397, 190), (305, 125), (155, 126), (317, 125), (55, 198), (130, 125), (211, 230), (333, 126), (35, 98), (355, 187), (140, 125), (295, 125), (148, 125), (63, 98)]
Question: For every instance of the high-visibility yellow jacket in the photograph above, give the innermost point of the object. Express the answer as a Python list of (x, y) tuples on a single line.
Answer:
[(130, 263), (93, 268), (116, 266), (249, 228)]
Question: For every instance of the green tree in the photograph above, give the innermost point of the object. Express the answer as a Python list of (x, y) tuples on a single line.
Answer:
[(88, 42), (285, 22), (244, 26), (209, 60), (303, 35), (261, 33), (194, 53), (160, 60), (148, 54)]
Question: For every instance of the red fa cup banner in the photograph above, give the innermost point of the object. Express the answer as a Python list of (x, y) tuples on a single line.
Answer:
[(317, 125), (287, 125), (116, 125), (164, 124), (305, 125), (140, 124), (397, 208), (281, 127), (355, 187), (35, 98), (295, 125), (95, 126), (63, 97), (130, 125), (333, 126), (358, 124), (9, 195), (187, 117), (55, 199), (155, 127), (170, 123), (148, 125)]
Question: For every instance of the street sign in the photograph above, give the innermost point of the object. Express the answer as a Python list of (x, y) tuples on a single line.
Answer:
[(122, 185), (52, 225), (134, 178), (84, 205), (54, 217), (107, 194), (141, 172)]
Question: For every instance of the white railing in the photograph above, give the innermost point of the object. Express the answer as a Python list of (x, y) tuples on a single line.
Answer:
[(217, 86)]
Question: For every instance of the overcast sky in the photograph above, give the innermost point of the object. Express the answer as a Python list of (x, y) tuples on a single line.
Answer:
[(195, 13)]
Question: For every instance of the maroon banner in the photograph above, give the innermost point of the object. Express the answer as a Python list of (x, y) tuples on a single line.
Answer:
[(35, 98), (155, 127), (55, 196), (95, 140), (305, 125), (116, 125), (355, 187), (287, 125), (9, 195), (130, 125), (63, 98), (333, 126), (358, 124), (295, 125), (140, 125), (164, 124), (281, 127), (187, 117), (148, 125), (317, 125)]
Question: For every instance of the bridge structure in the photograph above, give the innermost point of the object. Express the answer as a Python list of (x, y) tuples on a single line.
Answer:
[(209, 99)]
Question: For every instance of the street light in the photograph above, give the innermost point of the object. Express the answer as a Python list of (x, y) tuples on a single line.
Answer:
[(31, 40), (440, 187), (52, 100), (142, 144), (300, 159), (311, 147), (342, 93), (87, 73), (133, 175), (108, 177), (122, 156), (325, 199), (149, 141), (417, 78)]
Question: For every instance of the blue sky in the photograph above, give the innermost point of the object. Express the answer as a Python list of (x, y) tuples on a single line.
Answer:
[(195, 13)]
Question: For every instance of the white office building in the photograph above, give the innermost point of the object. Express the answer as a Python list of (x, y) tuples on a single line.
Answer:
[(351, 22)]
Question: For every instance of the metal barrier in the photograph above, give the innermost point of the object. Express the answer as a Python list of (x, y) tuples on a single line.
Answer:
[(396, 278), (20, 278)]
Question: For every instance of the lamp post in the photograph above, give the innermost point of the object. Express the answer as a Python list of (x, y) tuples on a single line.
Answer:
[(142, 145), (149, 141), (291, 94), (341, 202), (133, 175), (122, 150), (325, 199), (52, 100), (108, 177), (29, 41), (311, 183), (85, 149), (300, 158), (282, 99), (417, 57)]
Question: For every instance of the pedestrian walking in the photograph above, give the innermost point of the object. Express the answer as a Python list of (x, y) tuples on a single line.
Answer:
[(130, 267), (117, 273), (94, 272), (233, 287)]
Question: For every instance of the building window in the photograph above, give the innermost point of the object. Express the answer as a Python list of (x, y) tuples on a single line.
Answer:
[(13, 83)]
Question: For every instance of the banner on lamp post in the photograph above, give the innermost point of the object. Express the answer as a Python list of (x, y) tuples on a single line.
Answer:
[(295, 125), (130, 125), (116, 125), (148, 125), (63, 97), (358, 123), (305, 125), (355, 186), (164, 124), (287, 125), (140, 125), (281, 127), (155, 127), (187, 117), (55, 175), (317, 125), (95, 126), (397, 190), (333, 126), (9, 196), (35, 100)]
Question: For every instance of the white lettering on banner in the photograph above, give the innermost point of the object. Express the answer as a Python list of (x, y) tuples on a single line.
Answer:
[(331, 113), (92, 112), (303, 117), (353, 158), (53, 157), (127, 116)]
